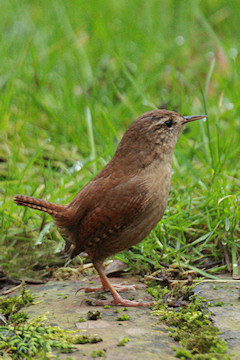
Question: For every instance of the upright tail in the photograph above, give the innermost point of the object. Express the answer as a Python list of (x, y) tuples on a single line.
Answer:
[(55, 210)]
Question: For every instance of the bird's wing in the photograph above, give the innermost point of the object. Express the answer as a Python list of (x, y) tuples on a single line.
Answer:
[(110, 213)]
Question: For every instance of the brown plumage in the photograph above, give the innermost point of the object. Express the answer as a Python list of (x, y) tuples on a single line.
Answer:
[(55, 210), (124, 202)]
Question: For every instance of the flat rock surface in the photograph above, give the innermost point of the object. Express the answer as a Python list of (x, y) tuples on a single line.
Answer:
[(148, 340), (225, 297)]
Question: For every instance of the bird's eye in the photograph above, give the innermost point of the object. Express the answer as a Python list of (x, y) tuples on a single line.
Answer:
[(169, 123)]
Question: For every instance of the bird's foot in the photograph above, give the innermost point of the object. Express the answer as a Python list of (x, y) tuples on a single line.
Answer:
[(124, 287), (118, 300), (117, 287)]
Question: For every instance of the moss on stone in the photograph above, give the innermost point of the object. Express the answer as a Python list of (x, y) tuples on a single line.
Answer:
[(35, 338), (123, 341), (123, 317), (11, 305), (190, 323), (98, 353)]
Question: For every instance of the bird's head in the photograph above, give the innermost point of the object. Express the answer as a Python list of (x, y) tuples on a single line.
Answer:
[(153, 135), (163, 127), (156, 129)]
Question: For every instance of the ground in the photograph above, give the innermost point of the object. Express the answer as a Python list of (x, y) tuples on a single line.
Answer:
[(147, 338), (227, 315)]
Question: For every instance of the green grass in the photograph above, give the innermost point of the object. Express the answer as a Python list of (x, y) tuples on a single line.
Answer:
[(74, 74)]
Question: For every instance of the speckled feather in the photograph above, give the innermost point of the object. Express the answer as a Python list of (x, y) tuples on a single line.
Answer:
[(109, 213)]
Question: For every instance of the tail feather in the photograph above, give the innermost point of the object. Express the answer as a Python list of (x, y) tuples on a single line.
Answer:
[(55, 210)]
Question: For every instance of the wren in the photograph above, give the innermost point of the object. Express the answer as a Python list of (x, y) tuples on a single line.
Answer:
[(124, 202)]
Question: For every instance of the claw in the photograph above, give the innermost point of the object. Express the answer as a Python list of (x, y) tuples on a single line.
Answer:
[(120, 301), (118, 287), (117, 299)]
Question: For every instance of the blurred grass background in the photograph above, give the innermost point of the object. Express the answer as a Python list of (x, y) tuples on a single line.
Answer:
[(74, 74)]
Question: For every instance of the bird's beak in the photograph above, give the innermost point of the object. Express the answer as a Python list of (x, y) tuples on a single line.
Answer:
[(193, 118)]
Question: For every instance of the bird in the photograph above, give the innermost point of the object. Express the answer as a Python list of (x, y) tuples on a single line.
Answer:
[(120, 206)]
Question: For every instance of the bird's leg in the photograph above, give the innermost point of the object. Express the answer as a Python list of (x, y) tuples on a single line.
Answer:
[(117, 299), (117, 287), (104, 287)]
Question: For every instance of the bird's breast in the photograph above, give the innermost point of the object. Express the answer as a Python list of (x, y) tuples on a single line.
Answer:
[(157, 182), (157, 185)]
